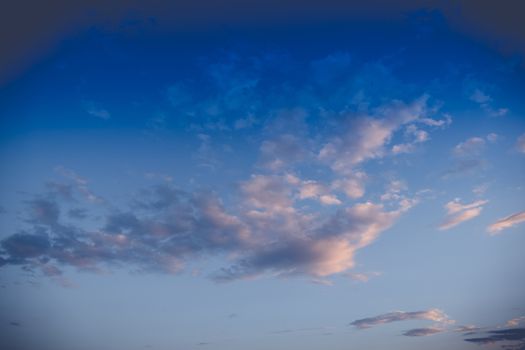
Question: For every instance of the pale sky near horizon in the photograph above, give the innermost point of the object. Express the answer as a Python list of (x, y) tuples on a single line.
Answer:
[(349, 184)]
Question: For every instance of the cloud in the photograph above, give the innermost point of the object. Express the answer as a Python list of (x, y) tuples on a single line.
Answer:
[(80, 183), (468, 329), (318, 251), (458, 213), (362, 277), (485, 102), (515, 321), (423, 332), (365, 138), (97, 111), (480, 97), (352, 185), (268, 226), (314, 189), (492, 137), (506, 222), (470, 147), (435, 315)]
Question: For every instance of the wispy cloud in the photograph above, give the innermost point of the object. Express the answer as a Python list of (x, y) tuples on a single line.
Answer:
[(485, 101), (470, 147), (506, 222), (435, 315), (515, 321), (458, 213), (96, 110)]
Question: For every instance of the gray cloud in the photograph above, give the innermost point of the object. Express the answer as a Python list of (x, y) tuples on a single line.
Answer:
[(500, 335), (423, 332), (435, 315)]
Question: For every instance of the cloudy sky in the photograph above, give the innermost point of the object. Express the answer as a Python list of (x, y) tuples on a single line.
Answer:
[(272, 175)]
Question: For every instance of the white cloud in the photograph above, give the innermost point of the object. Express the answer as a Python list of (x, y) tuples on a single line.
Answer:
[(329, 200), (506, 222), (437, 122), (316, 190), (365, 138), (458, 213)]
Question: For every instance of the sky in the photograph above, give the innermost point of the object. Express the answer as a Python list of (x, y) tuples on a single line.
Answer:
[(262, 175)]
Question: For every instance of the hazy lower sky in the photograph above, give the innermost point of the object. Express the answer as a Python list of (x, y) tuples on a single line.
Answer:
[(262, 176)]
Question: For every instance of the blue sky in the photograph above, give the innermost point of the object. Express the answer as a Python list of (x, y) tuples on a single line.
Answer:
[(331, 181)]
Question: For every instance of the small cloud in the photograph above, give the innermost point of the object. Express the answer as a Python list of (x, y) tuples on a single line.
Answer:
[(480, 189), (500, 335), (506, 222), (458, 213), (485, 102), (492, 137), (467, 329), (446, 121), (515, 321), (321, 281), (435, 315), (362, 277), (329, 200), (423, 332), (97, 111), (480, 97), (80, 183), (470, 147), (15, 324)]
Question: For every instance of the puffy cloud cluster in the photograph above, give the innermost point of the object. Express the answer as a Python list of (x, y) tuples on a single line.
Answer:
[(279, 223), (166, 228)]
